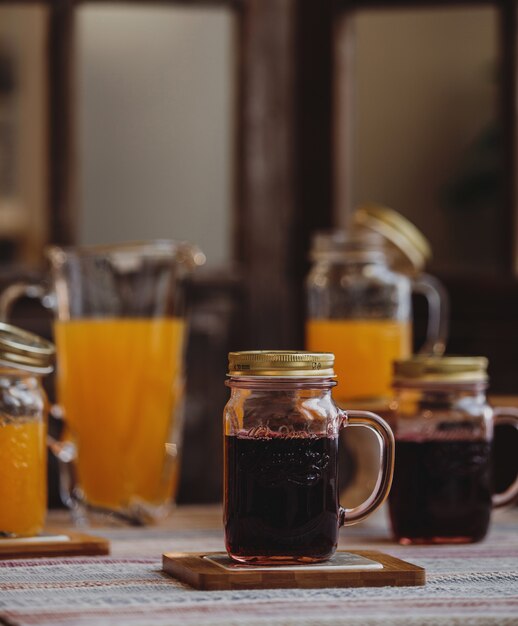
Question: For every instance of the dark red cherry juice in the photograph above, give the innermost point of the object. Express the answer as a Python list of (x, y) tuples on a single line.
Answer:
[(281, 498), (441, 492)]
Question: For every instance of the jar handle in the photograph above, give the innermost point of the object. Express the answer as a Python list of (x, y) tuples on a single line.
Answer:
[(438, 306), (386, 456), (506, 416), (21, 290)]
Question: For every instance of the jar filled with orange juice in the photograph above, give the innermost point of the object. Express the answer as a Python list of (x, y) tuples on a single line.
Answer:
[(24, 358), (360, 308)]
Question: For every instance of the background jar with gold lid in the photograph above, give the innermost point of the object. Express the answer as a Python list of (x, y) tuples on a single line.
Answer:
[(359, 301), (24, 359), (443, 425)]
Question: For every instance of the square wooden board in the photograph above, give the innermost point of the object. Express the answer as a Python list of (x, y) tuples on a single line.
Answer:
[(201, 573), (78, 544)]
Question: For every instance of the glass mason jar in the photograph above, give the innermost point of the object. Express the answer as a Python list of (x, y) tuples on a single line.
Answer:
[(24, 358), (442, 490), (361, 309), (281, 430)]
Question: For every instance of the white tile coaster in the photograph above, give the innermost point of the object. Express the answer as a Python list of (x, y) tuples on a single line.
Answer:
[(340, 562), (15, 541)]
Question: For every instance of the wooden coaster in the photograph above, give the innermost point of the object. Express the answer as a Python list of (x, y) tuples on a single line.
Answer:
[(211, 572), (67, 544)]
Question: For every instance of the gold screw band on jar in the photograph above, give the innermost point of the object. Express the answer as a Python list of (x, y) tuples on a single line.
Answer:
[(24, 350), (281, 363), (447, 369), (334, 244)]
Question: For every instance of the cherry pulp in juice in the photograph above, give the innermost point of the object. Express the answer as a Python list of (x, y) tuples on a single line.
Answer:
[(441, 492), (281, 501)]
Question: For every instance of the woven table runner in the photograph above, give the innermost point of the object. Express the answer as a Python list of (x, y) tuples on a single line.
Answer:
[(471, 584)]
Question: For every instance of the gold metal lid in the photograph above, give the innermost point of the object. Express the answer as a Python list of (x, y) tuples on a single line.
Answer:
[(281, 363), (23, 350), (446, 369), (408, 241)]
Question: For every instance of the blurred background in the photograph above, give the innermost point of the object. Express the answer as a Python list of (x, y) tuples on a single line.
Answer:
[(246, 125)]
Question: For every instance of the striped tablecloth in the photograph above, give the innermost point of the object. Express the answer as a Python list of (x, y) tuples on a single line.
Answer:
[(473, 584)]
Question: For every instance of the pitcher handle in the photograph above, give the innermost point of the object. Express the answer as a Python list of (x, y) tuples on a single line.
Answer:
[(21, 290), (438, 310), (506, 416), (385, 438)]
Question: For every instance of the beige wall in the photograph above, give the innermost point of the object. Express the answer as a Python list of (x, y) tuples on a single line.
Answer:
[(425, 88), (156, 125)]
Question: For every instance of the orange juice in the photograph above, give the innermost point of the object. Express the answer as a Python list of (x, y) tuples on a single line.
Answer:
[(120, 384), (23, 476), (364, 351)]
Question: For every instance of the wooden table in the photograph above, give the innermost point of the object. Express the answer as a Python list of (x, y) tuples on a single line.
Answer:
[(475, 584)]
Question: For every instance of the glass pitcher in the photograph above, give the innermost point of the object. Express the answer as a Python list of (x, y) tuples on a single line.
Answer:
[(119, 333), (281, 430), (360, 308)]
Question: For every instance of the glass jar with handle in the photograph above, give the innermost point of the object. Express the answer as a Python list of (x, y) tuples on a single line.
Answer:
[(281, 430), (360, 308), (443, 425)]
